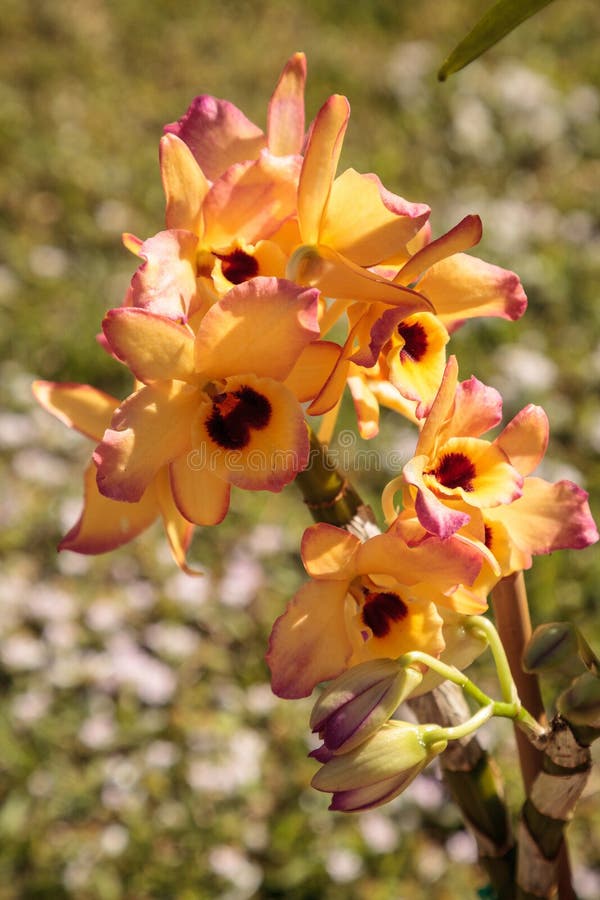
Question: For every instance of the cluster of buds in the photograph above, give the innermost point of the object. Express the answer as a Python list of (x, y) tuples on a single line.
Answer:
[(276, 283)]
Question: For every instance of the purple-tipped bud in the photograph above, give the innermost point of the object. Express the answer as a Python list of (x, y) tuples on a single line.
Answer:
[(357, 703), (380, 768)]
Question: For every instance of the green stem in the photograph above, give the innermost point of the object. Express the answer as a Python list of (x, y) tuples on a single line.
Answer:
[(327, 493), (481, 625)]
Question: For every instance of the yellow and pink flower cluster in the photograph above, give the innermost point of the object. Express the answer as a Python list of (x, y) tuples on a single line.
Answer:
[(227, 330)]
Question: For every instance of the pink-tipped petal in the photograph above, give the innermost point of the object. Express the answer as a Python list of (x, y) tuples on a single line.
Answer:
[(477, 408), (218, 134), (548, 517), (309, 643), (525, 438), (107, 524), (285, 116), (463, 287), (366, 223), (462, 237), (154, 347), (148, 430), (165, 283)]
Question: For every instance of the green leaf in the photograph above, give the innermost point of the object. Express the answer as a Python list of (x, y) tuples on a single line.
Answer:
[(498, 21)]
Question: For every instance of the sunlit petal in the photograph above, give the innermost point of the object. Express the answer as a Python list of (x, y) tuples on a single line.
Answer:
[(309, 643), (218, 134), (106, 524), (79, 406), (320, 163), (260, 326), (329, 552), (148, 430), (525, 438), (199, 495), (155, 348), (366, 223), (184, 183), (285, 116)]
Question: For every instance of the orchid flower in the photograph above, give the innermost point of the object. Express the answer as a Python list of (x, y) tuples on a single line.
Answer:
[(365, 601), (460, 483), (214, 406)]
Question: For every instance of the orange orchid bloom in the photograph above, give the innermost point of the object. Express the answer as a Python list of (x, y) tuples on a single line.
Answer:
[(213, 406), (460, 483), (366, 601)]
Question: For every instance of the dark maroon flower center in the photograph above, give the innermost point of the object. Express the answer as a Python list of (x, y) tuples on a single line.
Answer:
[(238, 266), (381, 609), (455, 470), (415, 340), (489, 536), (235, 414)]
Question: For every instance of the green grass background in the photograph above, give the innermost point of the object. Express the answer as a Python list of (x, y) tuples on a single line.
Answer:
[(141, 754)]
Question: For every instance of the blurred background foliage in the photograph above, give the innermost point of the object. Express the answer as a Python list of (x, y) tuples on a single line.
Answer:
[(141, 752)]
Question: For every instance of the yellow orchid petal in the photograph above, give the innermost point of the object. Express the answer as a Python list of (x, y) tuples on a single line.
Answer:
[(329, 552), (79, 406), (547, 517), (260, 326), (200, 496), (475, 471), (285, 116), (312, 369), (320, 163), (148, 430), (462, 287), (365, 405), (462, 237), (396, 623), (156, 348), (165, 283), (253, 433), (309, 643), (366, 223), (178, 530), (525, 439), (440, 409), (441, 564), (335, 276), (106, 524), (417, 359), (184, 183), (250, 201)]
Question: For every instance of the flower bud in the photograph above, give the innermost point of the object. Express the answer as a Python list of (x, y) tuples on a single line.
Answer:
[(358, 702), (580, 704), (378, 769), (559, 647)]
